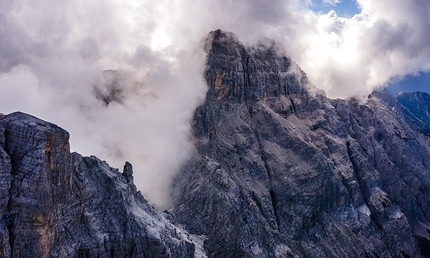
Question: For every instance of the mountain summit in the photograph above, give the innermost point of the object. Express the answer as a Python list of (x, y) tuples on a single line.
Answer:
[(280, 171), (283, 171)]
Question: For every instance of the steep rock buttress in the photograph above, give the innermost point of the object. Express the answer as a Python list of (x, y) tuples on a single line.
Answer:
[(283, 171), (59, 204), (280, 171)]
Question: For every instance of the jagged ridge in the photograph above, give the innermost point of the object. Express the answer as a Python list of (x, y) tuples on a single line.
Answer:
[(284, 171), (59, 204), (281, 171)]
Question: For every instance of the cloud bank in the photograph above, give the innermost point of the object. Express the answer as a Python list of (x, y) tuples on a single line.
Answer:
[(124, 77)]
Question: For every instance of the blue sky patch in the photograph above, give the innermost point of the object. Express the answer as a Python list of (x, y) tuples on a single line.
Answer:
[(345, 8), (411, 83)]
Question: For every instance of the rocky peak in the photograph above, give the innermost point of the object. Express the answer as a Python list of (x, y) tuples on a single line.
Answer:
[(283, 171), (59, 204), (128, 172), (280, 171), (236, 72)]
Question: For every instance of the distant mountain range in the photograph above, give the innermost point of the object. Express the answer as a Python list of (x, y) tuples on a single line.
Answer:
[(280, 171), (416, 106)]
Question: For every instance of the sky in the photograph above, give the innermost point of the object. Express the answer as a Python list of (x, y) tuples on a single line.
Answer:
[(124, 77), (343, 8), (419, 81), (416, 81)]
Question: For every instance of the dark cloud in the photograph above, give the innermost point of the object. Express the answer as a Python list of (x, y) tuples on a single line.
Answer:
[(267, 11), (112, 89)]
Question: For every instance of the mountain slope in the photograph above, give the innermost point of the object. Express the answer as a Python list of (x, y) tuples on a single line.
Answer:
[(283, 171), (59, 204), (280, 171), (416, 106)]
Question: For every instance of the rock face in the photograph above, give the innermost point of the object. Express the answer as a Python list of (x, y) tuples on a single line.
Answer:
[(283, 171), (59, 204), (280, 171), (416, 106)]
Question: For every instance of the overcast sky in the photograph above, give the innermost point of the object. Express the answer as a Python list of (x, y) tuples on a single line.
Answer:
[(123, 77)]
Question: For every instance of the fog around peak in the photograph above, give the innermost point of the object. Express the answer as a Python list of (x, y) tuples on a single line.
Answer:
[(124, 77)]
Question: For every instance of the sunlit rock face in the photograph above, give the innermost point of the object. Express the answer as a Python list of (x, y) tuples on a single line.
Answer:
[(59, 204), (283, 171)]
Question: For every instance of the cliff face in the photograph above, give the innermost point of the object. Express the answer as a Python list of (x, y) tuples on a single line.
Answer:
[(283, 171), (280, 171), (59, 204)]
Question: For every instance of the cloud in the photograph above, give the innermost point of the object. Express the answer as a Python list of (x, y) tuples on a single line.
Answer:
[(356, 55), (99, 70), (331, 2), (124, 77)]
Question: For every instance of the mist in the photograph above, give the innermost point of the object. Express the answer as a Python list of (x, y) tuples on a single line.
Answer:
[(124, 77)]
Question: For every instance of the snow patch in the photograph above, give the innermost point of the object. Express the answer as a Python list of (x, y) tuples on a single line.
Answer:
[(396, 214), (198, 242), (364, 209)]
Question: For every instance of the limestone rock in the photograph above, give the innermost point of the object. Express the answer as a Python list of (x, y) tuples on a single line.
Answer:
[(283, 171), (280, 171), (5, 182), (64, 205)]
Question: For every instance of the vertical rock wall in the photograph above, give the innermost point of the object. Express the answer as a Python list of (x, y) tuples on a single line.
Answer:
[(59, 204), (284, 171)]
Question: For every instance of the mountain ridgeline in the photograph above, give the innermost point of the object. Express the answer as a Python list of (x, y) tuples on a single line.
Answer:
[(280, 171), (283, 171), (416, 106)]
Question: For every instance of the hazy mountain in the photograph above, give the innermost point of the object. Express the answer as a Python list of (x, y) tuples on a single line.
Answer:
[(59, 204), (416, 106), (280, 171)]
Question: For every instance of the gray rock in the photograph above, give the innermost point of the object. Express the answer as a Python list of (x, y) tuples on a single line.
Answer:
[(5, 182), (283, 171), (280, 171), (64, 205)]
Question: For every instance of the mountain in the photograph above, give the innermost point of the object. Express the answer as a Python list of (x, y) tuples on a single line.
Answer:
[(59, 204), (280, 171), (416, 106), (283, 171)]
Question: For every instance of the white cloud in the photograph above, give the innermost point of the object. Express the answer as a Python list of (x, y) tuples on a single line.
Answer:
[(53, 54)]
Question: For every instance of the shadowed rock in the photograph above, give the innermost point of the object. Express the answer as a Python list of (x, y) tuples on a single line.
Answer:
[(283, 171), (280, 171), (61, 204)]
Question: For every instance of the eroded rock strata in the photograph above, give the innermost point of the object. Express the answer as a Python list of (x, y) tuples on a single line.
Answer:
[(280, 171), (283, 171), (59, 204)]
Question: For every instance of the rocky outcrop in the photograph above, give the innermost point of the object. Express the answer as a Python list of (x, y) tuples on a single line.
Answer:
[(59, 204), (5, 182), (280, 171), (283, 171)]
